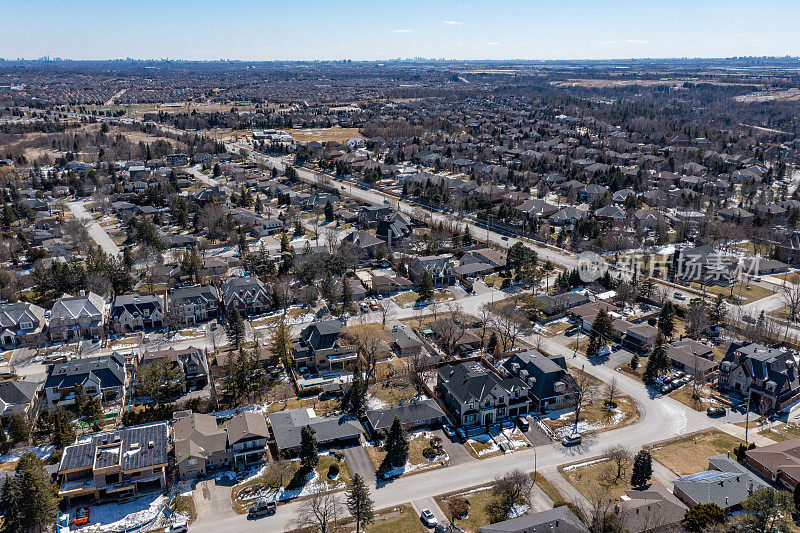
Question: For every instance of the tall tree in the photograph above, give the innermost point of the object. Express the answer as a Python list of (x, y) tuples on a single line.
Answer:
[(642, 468), (235, 329), (19, 428), (309, 455), (600, 332), (700, 517), (328, 211), (359, 503), (355, 399), (396, 444), (63, 430), (767, 511), (666, 319), (29, 499), (658, 361), (425, 289), (280, 343), (347, 296)]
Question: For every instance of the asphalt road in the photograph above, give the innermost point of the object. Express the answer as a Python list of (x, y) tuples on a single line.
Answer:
[(96, 231)]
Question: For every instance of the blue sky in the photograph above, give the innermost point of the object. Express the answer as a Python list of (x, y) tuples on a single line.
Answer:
[(343, 29)]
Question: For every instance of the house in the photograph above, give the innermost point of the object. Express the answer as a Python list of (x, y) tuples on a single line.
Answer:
[(414, 414), (74, 317), (393, 228), (478, 396), (319, 346), (486, 255), (384, 285), (778, 463), (585, 314), (639, 337), (703, 264), (17, 397), (200, 444), (339, 431), (440, 268), (247, 438), (568, 216), (368, 216), (535, 208), (610, 213), (176, 160), (18, 321), (134, 312), (115, 464), (557, 304), (103, 376), (550, 385), (194, 304), (650, 508), (191, 363), (366, 241), (558, 520), (692, 357), (768, 375), (404, 341), (726, 484), (246, 294)]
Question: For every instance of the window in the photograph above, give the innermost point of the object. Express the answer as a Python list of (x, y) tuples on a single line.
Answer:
[(502, 399), (501, 411), (191, 462)]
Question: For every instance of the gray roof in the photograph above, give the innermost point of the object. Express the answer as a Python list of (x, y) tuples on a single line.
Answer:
[(472, 381), (727, 487), (110, 369), (558, 520), (541, 373), (133, 450), (15, 396), (415, 413), (286, 427)]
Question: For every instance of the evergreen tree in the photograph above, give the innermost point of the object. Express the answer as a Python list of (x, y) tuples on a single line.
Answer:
[(284, 242), (81, 398), (94, 414), (347, 296), (309, 455), (425, 290), (466, 239), (666, 319), (29, 498), (329, 211), (242, 244), (642, 468), (63, 430), (492, 342), (19, 428), (717, 311), (355, 400), (658, 361), (281, 343), (234, 328), (359, 503), (396, 445), (700, 517), (600, 332)]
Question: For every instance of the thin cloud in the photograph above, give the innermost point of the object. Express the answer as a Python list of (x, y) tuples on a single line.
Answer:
[(759, 40), (637, 41), (493, 43), (403, 31), (451, 22), (607, 43)]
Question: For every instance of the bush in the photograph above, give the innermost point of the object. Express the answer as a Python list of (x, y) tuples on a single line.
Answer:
[(436, 442), (429, 453), (333, 471), (314, 390)]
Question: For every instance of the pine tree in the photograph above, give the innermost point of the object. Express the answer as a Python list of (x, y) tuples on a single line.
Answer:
[(355, 399), (329, 211), (94, 414), (63, 430), (396, 444), (244, 248), (425, 290), (284, 242), (281, 343), (657, 362), (29, 499), (600, 332), (309, 455), (642, 468), (466, 239), (492, 342), (359, 503), (666, 319), (234, 328), (347, 296), (19, 428)]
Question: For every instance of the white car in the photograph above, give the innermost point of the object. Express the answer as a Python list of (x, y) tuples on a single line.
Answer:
[(427, 518), (177, 527)]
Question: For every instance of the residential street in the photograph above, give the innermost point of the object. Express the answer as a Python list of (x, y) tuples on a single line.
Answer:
[(96, 231)]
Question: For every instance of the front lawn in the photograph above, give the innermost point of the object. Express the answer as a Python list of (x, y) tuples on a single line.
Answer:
[(479, 498), (595, 417), (416, 461), (782, 432), (598, 479), (399, 519), (689, 455)]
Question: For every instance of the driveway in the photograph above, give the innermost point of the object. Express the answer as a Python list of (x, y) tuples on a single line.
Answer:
[(457, 452), (96, 231), (536, 436), (212, 501), (359, 463)]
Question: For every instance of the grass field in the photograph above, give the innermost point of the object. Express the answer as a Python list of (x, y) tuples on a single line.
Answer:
[(748, 292), (479, 498), (340, 135), (598, 417), (690, 454), (402, 518), (415, 457), (550, 490), (599, 479), (782, 432)]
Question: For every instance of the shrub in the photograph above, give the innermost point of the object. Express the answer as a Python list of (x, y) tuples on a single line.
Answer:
[(429, 453), (436, 442), (314, 390), (333, 471)]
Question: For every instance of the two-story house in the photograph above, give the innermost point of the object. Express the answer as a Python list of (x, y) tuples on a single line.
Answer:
[(74, 317), (479, 397), (19, 320), (17, 397), (191, 364), (247, 438), (200, 444), (248, 295), (103, 377), (134, 312), (441, 269), (115, 464), (194, 304), (319, 347), (550, 385), (770, 376)]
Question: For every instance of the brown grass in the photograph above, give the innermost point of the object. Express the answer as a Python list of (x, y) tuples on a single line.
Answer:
[(689, 455)]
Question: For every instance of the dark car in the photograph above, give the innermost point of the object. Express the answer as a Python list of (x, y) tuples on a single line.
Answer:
[(523, 424), (262, 509), (715, 410)]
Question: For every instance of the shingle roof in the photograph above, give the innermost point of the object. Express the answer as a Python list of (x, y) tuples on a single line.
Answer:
[(246, 424), (413, 413), (558, 520), (110, 369), (286, 427)]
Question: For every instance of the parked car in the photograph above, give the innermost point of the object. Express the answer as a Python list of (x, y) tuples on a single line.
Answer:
[(523, 424), (679, 296), (177, 527), (748, 319), (504, 238), (572, 440), (262, 509), (81, 516), (427, 518), (666, 389), (448, 430), (715, 410)]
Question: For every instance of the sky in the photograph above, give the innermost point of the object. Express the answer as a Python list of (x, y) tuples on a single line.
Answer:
[(374, 30)]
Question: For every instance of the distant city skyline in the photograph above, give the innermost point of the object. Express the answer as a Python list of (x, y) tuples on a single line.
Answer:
[(361, 30)]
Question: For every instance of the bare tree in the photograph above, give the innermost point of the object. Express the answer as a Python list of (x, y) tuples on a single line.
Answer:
[(320, 510), (371, 341), (611, 390), (387, 310), (513, 488), (277, 474), (620, 458), (584, 389), (510, 321), (485, 314), (790, 296)]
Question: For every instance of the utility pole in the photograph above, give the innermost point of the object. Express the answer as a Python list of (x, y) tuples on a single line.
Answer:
[(747, 417)]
